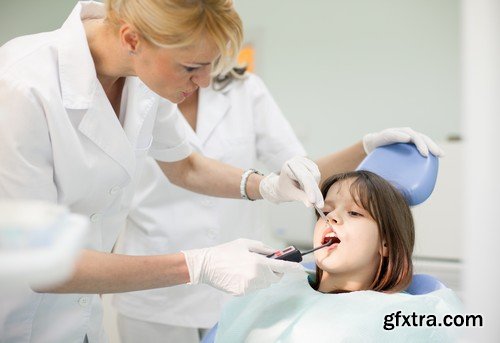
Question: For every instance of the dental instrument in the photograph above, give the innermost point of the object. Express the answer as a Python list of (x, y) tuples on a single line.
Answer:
[(323, 216), (293, 254)]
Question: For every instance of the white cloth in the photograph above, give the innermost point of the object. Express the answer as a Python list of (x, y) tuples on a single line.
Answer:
[(61, 141), (241, 125), (133, 330), (291, 311)]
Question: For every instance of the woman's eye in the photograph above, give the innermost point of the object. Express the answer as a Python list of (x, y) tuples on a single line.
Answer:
[(190, 69)]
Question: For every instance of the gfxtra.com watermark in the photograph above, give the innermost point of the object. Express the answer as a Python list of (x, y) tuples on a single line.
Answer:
[(399, 319)]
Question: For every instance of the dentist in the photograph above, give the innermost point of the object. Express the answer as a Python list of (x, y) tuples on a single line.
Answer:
[(80, 107)]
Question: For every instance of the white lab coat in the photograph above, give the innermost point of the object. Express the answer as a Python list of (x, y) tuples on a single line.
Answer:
[(241, 125), (61, 141)]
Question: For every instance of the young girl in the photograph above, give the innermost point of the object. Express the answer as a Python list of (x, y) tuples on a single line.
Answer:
[(373, 226), (360, 279)]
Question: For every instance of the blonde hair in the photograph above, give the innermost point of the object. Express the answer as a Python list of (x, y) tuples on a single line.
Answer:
[(180, 23)]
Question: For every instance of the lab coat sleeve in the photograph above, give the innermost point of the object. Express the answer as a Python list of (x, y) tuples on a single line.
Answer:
[(26, 162), (276, 141), (170, 143)]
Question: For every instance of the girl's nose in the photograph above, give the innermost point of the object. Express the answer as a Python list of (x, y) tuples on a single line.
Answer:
[(334, 218)]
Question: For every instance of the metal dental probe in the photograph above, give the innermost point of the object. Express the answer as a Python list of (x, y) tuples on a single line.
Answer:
[(321, 214)]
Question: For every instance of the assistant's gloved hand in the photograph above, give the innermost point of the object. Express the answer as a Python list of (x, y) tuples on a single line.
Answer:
[(298, 180), (402, 135), (237, 266)]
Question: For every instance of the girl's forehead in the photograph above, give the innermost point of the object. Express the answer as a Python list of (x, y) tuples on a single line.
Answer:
[(340, 190), (340, 187)]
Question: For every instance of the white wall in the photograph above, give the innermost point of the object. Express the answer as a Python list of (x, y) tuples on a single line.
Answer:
[(21, 17), (340, 69), (481, 103)]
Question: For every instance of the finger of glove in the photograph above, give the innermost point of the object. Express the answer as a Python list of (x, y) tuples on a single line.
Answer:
[(307, 176), (395, 136), (281, 267), (433, 147), (406, 135), (313, 169), (258, 247), (420, 143), (386, 137)]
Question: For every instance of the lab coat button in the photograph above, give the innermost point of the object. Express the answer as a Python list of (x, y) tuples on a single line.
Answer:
[(212, 234), (84, 301), (114, 190), (94, 218)]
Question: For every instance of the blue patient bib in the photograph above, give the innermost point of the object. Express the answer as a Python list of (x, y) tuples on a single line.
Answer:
[(291, 311)]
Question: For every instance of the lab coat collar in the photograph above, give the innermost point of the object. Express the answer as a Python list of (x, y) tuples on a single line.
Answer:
[(76, 67), (102, 127), (80, 88), (214, 105)]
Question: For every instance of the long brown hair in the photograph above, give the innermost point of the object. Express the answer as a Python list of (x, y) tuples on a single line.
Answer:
[(389, 208)]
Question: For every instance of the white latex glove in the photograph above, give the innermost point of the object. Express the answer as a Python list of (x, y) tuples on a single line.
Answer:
[(298, 180), (402, 135), (237, 267)]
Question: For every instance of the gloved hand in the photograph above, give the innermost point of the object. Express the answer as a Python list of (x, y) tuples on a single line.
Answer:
[(402, 135), (237, 266), (298, 180)]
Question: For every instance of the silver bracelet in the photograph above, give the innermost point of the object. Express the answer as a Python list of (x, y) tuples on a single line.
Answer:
[(243, 183)]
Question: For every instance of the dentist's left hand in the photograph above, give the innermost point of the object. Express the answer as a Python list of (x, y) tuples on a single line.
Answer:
[(237, 267), (298, 180), (402, 135)]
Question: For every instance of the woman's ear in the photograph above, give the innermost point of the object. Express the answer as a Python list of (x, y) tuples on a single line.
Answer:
[(384, 251), (129, 38)]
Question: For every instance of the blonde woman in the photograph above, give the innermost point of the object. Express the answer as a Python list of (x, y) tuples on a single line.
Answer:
[(79, 109)]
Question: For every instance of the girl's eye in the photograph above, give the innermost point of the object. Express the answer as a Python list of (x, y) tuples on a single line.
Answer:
[(355, 214)]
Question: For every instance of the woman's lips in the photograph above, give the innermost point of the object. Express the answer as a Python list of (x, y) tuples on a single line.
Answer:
[(188, 93)]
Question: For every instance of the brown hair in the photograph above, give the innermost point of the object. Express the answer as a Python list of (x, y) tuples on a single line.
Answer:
[(180, 23), (389, 208), (221, 81)]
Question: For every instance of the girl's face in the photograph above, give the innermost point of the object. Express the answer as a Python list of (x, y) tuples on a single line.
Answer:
[(176, 73), (356, 257)]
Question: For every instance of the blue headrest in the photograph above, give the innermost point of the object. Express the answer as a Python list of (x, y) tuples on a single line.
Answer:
[(423, 284), (403, 166)]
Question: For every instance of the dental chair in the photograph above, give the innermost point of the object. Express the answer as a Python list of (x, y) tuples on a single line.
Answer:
[(415, 176)]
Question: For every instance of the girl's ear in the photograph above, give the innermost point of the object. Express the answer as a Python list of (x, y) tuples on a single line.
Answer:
[(384, 251)]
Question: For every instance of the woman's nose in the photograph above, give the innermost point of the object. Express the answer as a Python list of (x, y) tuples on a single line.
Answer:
[(202, 79)]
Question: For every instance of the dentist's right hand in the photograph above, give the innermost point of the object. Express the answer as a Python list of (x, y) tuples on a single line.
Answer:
[(297, 181), (237, 267)]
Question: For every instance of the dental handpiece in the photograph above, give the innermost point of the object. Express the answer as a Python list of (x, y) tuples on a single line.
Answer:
[(293, 254)]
